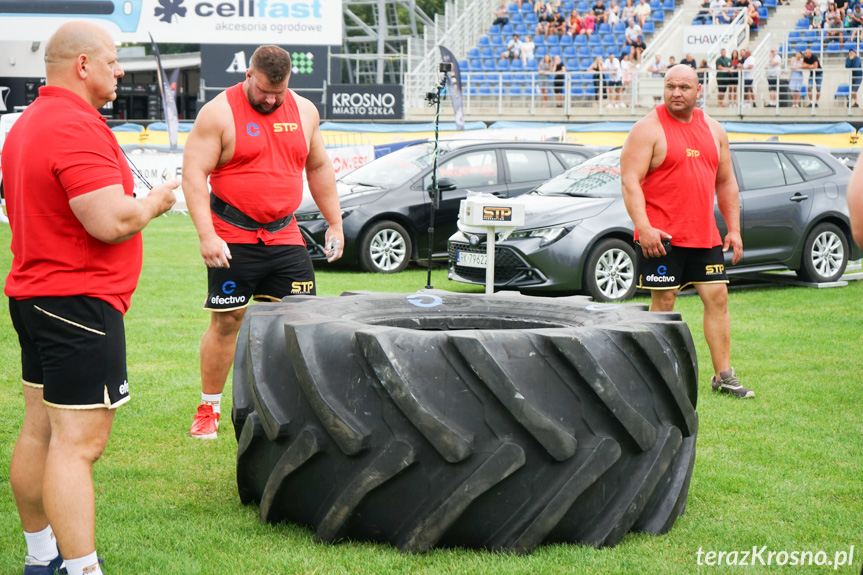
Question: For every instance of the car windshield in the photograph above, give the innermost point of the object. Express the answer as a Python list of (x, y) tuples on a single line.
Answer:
[(394, 169), (597, 177)]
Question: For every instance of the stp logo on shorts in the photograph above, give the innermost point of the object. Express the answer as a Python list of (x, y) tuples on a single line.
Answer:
[(714, 270), (302, 287)]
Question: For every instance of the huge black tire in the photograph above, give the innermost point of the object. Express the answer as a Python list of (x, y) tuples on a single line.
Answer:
[(825, 254), (442, 419), (609, 271), (385, 248)]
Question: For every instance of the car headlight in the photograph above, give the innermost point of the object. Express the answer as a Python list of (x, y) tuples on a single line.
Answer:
[(312, 216), (548, 235)]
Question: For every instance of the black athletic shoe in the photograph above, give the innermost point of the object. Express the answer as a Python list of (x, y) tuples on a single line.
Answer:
[(731, 386)]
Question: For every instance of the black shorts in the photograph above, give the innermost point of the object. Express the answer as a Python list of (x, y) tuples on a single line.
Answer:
[(74, 349), (680, 268), (260, 272)]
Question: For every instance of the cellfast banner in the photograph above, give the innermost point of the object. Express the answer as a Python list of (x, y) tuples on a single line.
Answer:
[(365, 102), (302, 22)]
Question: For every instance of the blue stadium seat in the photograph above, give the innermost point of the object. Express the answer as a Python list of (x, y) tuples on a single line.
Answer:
[(494, 29), (810, 36), (583, 6), (763, 14), (566, 40), (516, 66), (492, 78), (655, 5), (507, 30), (476, 64), (571, 63), (657, 16), (526, 8), (531, 20), (577, 91), (516, 19), (570, 52), (648, 28), (473, 53), (802, 24), (619, 28), (584, 63), (843, 92), (597, 51), (833, 48), (486, 52), (489, 65), (609, 40), (595, 40), (584, 51), (464, 66), (567, 7), (513, 8), (668, 5), (521, 30), (801, 46), (502, 65), (539, 40), (769, 3), (604, 28), (498, 42), (483, 41), (552, 40), (580, 40), (625, 49), (555, 51)]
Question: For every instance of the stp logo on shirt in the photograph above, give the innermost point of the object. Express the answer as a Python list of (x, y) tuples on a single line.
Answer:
[(285, 127)]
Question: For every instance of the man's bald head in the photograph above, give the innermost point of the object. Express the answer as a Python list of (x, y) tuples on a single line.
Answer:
[(73, 39), (682, 72)]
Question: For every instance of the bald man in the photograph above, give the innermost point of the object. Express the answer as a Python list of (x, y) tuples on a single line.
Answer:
[(671, 163), (76, 260)]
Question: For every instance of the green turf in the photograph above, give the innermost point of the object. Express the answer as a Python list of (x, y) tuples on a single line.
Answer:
[(784, 470)]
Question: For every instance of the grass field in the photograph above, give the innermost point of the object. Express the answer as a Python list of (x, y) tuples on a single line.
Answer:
[(784, 470)]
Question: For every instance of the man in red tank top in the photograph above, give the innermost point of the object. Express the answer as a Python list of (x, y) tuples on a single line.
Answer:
[(253, 142), (673, 162)]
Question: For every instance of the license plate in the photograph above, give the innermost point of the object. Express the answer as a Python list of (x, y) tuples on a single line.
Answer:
[(472, 260)]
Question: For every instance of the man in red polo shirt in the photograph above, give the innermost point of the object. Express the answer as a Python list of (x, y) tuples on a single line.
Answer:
[(253, 142), (76, 260), (671, 163)]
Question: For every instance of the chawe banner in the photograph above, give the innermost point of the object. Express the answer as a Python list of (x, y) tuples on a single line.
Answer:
[(301, 22), (365, 102)]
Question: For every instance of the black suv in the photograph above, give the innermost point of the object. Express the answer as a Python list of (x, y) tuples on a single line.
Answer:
[(386, 205)]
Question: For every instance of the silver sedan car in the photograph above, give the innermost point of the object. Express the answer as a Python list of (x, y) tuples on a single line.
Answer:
[(578, 236)]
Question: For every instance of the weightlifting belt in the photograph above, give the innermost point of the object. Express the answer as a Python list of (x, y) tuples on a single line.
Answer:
[(235, 217)]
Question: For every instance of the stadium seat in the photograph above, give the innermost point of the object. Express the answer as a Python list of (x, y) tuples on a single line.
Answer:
[(648, 28), (516, 19), (657, 16), (552, 40), (803, 24), (464, 65), (595, 40), (516, 66), (668, 5), (810, 36), (567, 6), (604, 28), (502, 65), (770, 3), (475, 64), (555, 51), (597, 51), (584, 63), (487, 52), (763, 14), (584, 51), (484, 90), (843, 92), (489, 65), (507, 30), (494, 30), (473, 53), (541, 51), (614, 49), (619, 28), (521, 30), (497, 42), (583, 6), (571, 63), (570, 52), (539, 40), (526, 8), (483, 41), (566, 40), (801, 46), (577, 91), (531, 20), (609, 40), (833, 48), (580, 40)]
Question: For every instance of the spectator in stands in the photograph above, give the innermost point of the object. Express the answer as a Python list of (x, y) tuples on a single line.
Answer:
[(704, 16), (539, 7), (852, 62), (817, 21), (642, 12), (833, 26), (753, 18), (558, 25), (628, 11), (701, 72), (716, 9), (723, 76), (809, 9), (812, 63), (855, 20), (513, 48), (596, 68), (574, 24), (773, 66), (501, 14), (832, 12), (672, 62), (795, 82), (748, 69), (734, 77), (634, 39), (613, 13), (545, 21), (545, 71), (528, 49), (657, 68), (689, 60), (600, 12), (626, 76), (554, 5), (588, 23), (559, 80), (615, 80)]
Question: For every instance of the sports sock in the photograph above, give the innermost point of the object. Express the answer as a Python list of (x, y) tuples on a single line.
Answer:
[(214, 399), (42, 545), (82, 565)]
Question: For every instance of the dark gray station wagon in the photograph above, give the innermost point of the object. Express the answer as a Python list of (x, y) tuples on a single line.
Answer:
[(578, 235)]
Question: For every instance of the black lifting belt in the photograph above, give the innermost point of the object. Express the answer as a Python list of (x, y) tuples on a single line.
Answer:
[(235, 217)]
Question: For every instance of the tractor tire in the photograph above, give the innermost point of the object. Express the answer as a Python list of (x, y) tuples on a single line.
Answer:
[(438, 419)]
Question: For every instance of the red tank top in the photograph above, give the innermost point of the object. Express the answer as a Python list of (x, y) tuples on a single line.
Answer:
[(264, 178), (679, 193)]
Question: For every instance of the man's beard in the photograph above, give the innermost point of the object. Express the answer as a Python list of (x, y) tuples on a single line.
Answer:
[(261, 110)]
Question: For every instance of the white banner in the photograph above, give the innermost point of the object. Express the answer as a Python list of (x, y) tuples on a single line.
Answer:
[(309, 22), (704, 40)]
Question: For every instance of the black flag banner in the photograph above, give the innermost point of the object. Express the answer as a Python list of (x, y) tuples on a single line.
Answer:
[(453, 84), (169, 103)]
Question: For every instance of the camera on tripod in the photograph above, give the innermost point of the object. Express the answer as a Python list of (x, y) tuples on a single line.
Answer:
[(445, 67)]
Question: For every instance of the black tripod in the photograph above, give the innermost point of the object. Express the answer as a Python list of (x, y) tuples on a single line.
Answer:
[(434, 99)]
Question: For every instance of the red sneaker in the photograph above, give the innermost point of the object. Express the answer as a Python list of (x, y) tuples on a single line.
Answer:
[(206, 423)]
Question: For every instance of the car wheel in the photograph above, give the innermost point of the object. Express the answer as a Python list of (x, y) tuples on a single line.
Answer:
[(385, 248), (609, 273), (436, 419), (825, 254)]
